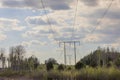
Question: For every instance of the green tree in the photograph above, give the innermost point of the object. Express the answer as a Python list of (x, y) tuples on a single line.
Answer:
[(61, 67), (49, 66), (79, 65), (16, 57), (117, 62), (2, 57), (33, 63), (52, 60)]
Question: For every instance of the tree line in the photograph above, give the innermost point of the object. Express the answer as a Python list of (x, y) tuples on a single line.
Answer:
[(16, 59), (102, 57)]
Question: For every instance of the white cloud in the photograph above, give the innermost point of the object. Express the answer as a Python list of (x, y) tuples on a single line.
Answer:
[(2, 36), (36, 4), (93, 38), (86, 20), (10, 24), (36, 20), (112, 45), (33, 42), (38, 31)]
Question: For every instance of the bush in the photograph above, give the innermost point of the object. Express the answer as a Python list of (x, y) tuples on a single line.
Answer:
[(79, 65), (61, 67), (38, 75), (117, 62), (69, 68), (49, 66), (98, 74), (110, 64)]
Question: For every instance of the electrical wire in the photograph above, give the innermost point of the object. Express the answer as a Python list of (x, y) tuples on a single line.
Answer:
[(48, 20), (74, 22), (103, 16)]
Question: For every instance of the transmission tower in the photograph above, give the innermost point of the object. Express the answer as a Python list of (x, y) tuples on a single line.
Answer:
[(69, 42), (69, 56)]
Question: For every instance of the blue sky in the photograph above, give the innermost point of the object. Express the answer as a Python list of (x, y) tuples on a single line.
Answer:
[(24, 22)]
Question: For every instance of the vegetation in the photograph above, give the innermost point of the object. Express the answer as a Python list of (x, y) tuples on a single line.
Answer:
[(102, 57), (49, 66), (79, 65), (16, 60), (61, 67), (50, 63), (101, 64)]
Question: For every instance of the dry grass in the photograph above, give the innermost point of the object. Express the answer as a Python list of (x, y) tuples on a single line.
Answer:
[(83, 74)]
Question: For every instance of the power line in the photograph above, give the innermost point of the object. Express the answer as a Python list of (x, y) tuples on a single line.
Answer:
[(103, 16), (48, 20), (74, 22)]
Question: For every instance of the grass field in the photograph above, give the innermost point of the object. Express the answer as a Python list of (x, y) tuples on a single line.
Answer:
[(87, 73)]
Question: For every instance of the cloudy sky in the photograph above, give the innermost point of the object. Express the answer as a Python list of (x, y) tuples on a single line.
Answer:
[(24, 22)]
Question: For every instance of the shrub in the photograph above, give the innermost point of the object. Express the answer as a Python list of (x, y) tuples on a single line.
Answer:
[(117, 62), (79, 65), (110, 64), (49, 66), (61, 67), (69, 68)]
